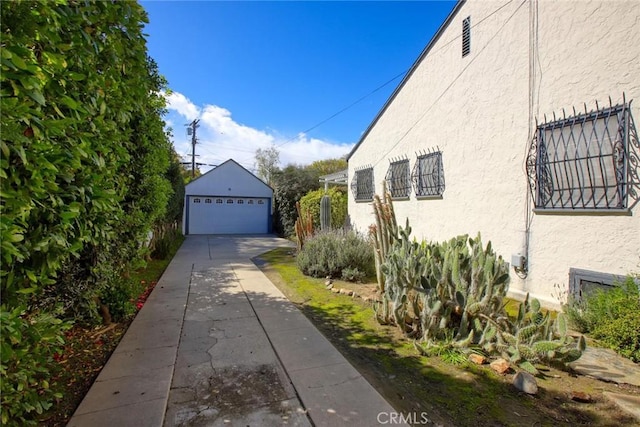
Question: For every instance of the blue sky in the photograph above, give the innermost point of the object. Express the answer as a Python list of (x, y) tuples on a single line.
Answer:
[(262, 73)]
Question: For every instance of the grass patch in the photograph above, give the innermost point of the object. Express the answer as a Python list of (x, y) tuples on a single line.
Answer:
[(462, 395)]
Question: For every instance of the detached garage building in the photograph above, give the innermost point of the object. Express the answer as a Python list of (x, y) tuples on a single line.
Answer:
[(227, 200)]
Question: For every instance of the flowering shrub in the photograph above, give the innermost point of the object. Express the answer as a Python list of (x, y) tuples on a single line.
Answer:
[(337, 253)]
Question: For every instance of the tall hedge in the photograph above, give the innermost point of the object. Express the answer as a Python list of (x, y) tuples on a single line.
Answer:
[(83, 167), (83, 146), (311, 203)]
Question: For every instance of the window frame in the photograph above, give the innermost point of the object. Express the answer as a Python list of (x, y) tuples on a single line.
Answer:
[(428, 176), (362, 184), (398, 179), (574, 185)]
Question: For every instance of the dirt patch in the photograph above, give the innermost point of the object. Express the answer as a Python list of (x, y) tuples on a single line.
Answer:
[(85, 353), (456, 395)]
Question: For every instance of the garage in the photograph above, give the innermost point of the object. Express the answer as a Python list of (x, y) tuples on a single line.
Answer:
[(227, 200)]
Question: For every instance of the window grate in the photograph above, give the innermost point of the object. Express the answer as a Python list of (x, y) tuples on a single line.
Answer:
[(398, 179), (362, 184), (584, 161), (428, 175), (466, 36)]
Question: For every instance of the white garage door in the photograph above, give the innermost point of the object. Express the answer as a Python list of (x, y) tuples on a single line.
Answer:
[(227, 215)]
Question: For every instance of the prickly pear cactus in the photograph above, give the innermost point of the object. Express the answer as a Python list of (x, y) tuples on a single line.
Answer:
[(454, 292)]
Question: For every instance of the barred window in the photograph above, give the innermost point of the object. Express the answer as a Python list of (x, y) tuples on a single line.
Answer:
[(466, 36), (218, 200), (207, 200), (362, 184), (250, 202), (398, 179), (261, 202), (240, 201), (583, 162), (196, 200), (428, 175), (229, 201)]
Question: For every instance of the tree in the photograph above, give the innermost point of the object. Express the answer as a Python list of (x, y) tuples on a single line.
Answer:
[(328, 166), (267, 161), (289, 185)]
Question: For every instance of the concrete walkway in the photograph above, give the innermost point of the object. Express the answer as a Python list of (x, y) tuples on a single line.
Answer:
[(218, 344)]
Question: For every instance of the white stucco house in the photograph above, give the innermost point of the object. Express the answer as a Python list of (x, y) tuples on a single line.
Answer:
[(227, 200), (517, 121)]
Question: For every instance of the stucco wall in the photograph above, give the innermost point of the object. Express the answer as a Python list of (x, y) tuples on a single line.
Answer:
[(527, 59)]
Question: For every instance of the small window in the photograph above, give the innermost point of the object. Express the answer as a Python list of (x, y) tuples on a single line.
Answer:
[(466, 36), (428, 175), (207, 200), (585, 282), (218, 201), (582, 162), (362, 185), (250, 202), (240, 201), (196, 200), (398, 179), (261, 202), (229, 201)]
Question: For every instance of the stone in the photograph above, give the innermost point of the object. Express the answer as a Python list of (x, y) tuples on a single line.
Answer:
[(501, 366), (478, 359), (526, 382), (330, 286), (580, 396), (346, 292), (335, 290), (328, 282)]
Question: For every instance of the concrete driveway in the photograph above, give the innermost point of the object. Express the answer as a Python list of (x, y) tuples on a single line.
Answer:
[(218, 344)]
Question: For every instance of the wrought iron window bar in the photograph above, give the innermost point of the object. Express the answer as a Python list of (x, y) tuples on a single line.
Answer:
[(362, 184), (428, 175), (398, 178), (584, 162)]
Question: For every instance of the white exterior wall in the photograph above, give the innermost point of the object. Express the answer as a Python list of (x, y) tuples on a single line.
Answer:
[(477, 111), (227, 180)]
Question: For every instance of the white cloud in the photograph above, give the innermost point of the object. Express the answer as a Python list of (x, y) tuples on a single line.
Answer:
[(221, 138), (179, 103)]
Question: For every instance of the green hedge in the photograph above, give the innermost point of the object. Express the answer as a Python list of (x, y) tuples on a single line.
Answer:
[(311, 203), (83, 170)]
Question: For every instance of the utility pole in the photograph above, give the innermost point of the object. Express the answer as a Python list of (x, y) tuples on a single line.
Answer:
[(192, 130)]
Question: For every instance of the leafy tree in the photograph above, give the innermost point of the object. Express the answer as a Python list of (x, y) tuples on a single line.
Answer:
[(289, 185), (328, 166), (267, 161)]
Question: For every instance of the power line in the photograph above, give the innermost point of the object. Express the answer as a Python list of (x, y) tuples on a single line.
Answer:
[(362, 98)]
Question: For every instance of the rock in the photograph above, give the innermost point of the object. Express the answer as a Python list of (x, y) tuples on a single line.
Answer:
[(478, 359), (526, 382), (580, 396), (328, 282), (355, 295), (335, 290), (329, 286), (501, 366), (346, 292)]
